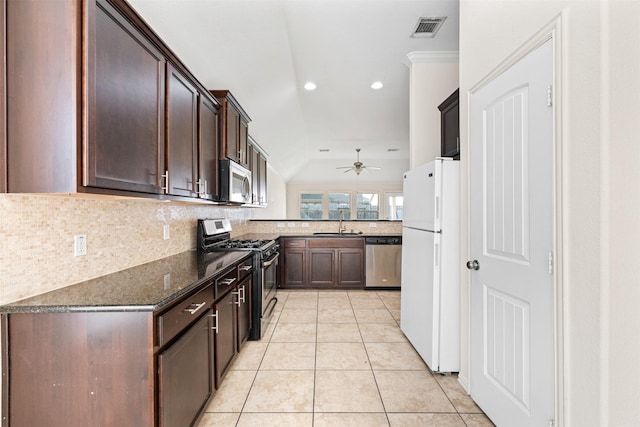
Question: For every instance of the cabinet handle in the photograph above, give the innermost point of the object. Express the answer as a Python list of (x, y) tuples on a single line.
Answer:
[(206, 186), (238, 294), (215, 328), (193, 308), (246, 268), (243, 291), (200, 188), (166, 178), (227, 281)]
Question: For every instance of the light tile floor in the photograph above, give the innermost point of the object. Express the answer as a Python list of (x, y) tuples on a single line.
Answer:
[(337, 358)]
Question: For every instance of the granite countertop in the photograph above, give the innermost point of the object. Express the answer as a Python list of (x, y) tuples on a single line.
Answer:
[(147, 287)]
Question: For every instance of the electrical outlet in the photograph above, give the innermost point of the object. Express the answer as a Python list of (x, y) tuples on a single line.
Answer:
[(291, 224), (166, 232), (304, 225), (373, 225), (80, 245), (280, 225)]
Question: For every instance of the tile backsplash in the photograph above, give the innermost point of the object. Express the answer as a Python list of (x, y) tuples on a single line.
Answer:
[(38, 237)]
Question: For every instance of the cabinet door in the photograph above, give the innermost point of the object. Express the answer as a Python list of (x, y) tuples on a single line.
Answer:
[(450, 126), (350, 268), (225, 336), (208, 149), (244, 310), (243, 135), (322, 267), (126, 84), (230, 141), (184, 371), (182, 136), (262, 180), (294, 268)]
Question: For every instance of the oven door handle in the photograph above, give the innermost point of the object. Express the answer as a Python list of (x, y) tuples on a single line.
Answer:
[(271, 260)]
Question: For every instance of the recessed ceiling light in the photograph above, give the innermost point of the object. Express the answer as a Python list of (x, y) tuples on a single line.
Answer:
[(376, 85), (393, 149), (324, 150), (310, 86)]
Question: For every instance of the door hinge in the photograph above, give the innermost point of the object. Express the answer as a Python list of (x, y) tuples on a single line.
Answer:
[(549, 96), (550, 262)]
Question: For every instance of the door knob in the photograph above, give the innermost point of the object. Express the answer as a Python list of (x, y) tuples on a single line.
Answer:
[(473, 265)]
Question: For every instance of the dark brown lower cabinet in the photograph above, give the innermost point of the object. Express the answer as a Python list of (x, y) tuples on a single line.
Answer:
[(79, 369), (225, 335), (244, 311), (323, 263), (185, 375)]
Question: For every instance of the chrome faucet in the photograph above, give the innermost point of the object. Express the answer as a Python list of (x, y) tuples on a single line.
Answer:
[(340, 229)]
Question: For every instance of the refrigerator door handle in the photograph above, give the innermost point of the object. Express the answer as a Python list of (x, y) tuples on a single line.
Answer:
[(436, 255), (437, 208)]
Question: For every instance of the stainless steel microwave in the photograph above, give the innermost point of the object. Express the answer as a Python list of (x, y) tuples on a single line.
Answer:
[(235, 182)]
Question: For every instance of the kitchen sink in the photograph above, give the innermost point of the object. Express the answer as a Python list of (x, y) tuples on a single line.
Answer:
[(355, 233)]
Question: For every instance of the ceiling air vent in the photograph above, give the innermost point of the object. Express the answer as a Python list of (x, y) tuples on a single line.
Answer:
[(428, 27)]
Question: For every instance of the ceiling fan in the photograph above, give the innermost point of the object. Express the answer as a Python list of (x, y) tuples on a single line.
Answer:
[(358, 166)]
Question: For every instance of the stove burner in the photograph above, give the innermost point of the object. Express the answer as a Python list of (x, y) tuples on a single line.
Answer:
[(244, 244)]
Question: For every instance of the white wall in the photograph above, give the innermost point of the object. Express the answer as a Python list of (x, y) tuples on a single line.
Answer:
[(276, 197), (433, 77), (600, 181)]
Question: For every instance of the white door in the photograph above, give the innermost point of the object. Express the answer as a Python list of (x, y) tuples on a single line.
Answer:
[(511, 203)]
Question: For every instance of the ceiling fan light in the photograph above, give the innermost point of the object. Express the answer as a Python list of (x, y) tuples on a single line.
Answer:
[(376, 85), (310, 86)]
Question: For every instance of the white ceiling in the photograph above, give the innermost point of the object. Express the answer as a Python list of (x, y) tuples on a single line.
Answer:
[(265, 50)]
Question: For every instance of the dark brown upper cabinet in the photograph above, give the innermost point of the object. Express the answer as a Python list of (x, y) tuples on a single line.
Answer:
[(182, 135), (97, 103), (234, 128), (450, 126)]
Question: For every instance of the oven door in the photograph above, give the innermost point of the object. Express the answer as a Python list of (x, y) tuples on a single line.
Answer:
[(269, 285)]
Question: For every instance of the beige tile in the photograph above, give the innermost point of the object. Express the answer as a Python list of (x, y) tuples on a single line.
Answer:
[(219, 420), (338, 332), (374, 315), (296, 315), (395, 313), (289, 356), (394, 356), (336, 316), (477, 420), (381, 332), (281, 391), (250, 356), (294, 332), (333, 295), (321, 419), (346, 391), (301, 303), (337, 356), (307, 295), (411, 391), (334, 304), (233, 392), (280, 419), (460, 399), (361, 294), (392, 304), (423, 420), (363, 303)]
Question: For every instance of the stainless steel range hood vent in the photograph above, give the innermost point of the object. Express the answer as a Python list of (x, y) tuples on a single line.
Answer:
[(428, 27)]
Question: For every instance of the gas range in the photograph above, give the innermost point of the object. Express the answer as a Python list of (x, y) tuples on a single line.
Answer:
[(214, 235)]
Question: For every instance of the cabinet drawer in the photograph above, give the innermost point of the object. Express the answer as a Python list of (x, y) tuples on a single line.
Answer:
[(295, 243), (245, 268), (172, 322), (337, 243), (226, 282)]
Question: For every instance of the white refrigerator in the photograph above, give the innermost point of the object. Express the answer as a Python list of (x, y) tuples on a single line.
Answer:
[(430, 292)]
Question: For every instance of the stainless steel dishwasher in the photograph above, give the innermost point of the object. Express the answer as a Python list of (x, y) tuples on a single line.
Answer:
[(383, 262)]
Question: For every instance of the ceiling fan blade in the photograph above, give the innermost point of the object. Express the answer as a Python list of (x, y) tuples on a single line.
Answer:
[(345, 167)]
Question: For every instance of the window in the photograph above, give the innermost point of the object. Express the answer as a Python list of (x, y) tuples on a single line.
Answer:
[(339, 203), (368, 206), (311, 206), (394, 202)]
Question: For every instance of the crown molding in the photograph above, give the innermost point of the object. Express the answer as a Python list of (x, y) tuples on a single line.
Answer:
[(417, 57)]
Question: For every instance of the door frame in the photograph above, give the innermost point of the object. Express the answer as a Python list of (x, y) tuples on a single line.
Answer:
[(553, 31)]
